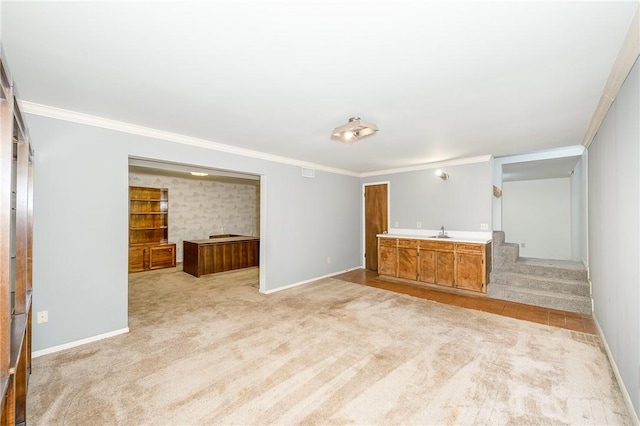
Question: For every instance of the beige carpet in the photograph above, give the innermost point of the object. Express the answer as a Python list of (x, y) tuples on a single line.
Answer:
[(212, 350)]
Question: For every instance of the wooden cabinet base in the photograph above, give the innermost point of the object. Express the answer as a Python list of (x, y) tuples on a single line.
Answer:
[(442, 263), (220, 255), (146, 257)]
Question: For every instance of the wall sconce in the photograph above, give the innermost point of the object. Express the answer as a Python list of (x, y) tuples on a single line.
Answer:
[(199, 174), (442, 175)]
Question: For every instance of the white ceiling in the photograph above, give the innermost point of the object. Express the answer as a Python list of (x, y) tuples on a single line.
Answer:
[(441, 79)]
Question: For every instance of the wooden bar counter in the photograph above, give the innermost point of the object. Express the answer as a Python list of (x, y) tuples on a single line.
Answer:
[(220, 254)]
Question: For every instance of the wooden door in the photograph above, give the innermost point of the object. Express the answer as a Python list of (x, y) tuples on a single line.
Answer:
[(375, 221)]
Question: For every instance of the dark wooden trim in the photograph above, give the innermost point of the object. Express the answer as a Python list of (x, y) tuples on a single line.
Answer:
[(18, 327), (16, 221), (6, 162)]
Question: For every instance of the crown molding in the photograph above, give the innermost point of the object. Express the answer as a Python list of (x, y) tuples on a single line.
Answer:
[(627, 56), (426, 166), (120, 126)]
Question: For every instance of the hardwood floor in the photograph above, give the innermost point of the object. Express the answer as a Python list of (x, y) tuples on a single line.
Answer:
[(568, 320)]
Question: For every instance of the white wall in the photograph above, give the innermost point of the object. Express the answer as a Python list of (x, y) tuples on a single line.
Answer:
[(614, 231), (537, 213), (199, 208), (81, 222)]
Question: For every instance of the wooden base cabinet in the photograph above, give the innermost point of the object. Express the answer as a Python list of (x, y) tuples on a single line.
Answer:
[(471, 273), (452, 264), (146, 257), (387, 257), (437, 261), (408, 259)]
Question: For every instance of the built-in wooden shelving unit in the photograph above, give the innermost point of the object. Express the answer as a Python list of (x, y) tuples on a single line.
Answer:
[(16, 252), (149, 246)]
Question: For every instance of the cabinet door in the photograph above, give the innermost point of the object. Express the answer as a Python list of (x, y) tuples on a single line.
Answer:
[(427, 266), (137, 257), (444, 268), (162, 256), (469, 271), (408, 263), (387, 260)]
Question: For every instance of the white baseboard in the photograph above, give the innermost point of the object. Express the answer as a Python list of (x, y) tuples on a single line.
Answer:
[(78, 342), (616, 372), (309, 280)]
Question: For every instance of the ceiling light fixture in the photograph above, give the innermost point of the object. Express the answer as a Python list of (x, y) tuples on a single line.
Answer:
[(199, 174), (355, 129), (442, 175)]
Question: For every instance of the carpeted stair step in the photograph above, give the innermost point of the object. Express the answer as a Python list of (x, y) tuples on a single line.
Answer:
[(536, 282), (498, 238), (505, 254), (560, 269), (563, 302)]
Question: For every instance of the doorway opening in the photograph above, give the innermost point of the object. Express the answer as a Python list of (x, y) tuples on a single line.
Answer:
[(542, 204), (201, 203)]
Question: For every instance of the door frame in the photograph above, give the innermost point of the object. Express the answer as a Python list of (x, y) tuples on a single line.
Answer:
[(363, 233)]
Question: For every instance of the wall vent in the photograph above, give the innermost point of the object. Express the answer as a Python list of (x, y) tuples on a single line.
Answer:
[(308, 172)]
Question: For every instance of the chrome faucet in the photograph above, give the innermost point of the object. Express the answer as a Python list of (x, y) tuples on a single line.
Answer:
[(442, 233)]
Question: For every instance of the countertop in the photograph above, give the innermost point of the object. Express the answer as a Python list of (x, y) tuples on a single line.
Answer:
[(222, 240), (454, 236)]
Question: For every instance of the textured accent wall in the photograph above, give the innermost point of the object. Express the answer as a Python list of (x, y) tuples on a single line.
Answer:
[(199, 208)]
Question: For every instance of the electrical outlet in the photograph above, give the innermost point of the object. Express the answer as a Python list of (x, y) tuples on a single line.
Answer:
[(43, 316), (484, 226), (396, 224), (418, 224), (328, 259), (523, 245)]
